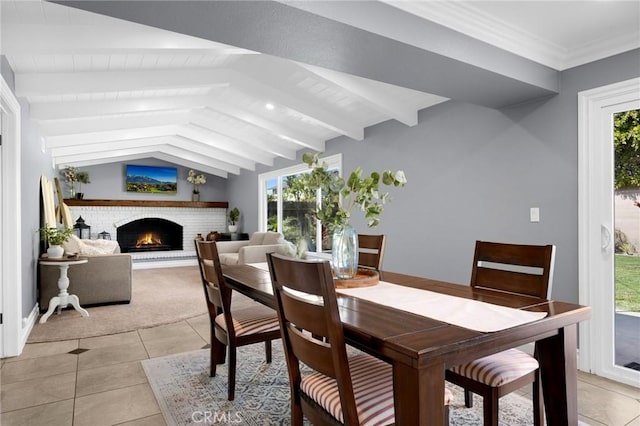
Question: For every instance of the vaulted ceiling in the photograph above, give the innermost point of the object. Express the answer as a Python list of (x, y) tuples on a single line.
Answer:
[(103, 89)]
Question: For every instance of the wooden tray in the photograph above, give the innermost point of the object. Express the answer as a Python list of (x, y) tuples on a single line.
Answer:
[(64, 258), (363, 278)]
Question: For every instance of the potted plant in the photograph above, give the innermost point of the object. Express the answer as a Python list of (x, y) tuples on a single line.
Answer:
[(83, 177), (339, 197), (55, 237), (196, 180), (234, 216)]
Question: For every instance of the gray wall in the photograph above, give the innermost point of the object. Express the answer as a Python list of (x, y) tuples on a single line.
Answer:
[(108, 182), (35, 163), (473, 173)]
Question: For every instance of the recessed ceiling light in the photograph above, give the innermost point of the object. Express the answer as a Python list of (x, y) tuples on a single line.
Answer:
[(269, 106)]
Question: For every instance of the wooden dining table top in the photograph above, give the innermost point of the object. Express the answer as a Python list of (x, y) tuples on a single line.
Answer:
[(424, 344), (403, 331)]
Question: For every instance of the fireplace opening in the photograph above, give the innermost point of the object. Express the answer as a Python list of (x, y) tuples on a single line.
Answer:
[(150, 234)]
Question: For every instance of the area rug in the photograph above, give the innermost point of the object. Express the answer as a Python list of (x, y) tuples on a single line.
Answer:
[(159, 296), (187, 395)]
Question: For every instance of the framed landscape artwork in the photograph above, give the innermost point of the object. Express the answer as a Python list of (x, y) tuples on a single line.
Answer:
[(151, 179)]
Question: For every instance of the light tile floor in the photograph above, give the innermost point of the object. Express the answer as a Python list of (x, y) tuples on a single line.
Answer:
[(100, 381)]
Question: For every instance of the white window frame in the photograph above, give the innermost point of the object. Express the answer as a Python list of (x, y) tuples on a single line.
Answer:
[(334, 162)]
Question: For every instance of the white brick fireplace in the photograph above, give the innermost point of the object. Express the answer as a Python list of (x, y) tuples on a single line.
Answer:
[(194, 220)]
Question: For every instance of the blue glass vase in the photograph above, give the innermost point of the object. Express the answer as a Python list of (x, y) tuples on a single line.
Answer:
[(344, 252)]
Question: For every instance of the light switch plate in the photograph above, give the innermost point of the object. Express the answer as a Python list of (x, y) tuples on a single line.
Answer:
[(535, 214)]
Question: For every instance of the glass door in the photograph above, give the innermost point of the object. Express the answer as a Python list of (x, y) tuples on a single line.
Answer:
[(608, 280), (626, 168)]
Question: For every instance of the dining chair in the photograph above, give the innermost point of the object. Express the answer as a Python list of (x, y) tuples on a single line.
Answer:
[(517, 269), (229, 327), (340, 389), (371, 251)]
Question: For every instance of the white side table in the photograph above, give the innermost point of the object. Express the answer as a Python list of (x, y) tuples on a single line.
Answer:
[(63, 299)]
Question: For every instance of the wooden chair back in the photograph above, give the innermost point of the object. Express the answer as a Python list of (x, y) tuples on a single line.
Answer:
[(371, 251), (217, 294), (311, 328), (514, 268)]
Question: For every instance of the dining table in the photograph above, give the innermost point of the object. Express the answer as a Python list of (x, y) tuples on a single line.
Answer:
[(420, 348)]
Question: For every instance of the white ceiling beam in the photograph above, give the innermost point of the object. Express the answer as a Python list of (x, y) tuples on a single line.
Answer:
[(238, 156), (197, 165), (246, 146), (365, 92), (107, 136), (104, 124), (79, 109), (178, 142), (281, 131), (250, 135), (131, 135), (158, 155), (280, 95), (41, 84), (178, 155)]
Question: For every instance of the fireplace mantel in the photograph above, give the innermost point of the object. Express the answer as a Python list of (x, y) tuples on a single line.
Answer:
[(148, 203)]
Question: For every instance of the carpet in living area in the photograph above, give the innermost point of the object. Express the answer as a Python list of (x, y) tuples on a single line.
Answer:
[(187, 395), (158, 296)]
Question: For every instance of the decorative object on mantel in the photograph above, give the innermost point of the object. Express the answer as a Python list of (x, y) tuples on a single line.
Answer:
[(83, 177), (199, 237), (213, 236), (234, 216), (196, 180), (81, 229), (55, 237), (73, 175), (104, 235), (339, 198)]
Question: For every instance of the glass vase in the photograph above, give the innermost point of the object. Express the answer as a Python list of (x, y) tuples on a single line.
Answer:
[(344, 253)]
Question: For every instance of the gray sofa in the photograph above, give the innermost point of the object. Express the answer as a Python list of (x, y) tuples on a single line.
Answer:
[(104, 279)]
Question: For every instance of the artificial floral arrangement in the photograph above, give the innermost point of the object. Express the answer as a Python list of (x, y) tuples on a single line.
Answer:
[(55, 236), (196, 180), (73, 175), (341, 196)]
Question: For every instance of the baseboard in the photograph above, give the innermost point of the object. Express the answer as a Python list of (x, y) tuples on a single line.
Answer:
[(152, 264), (27, 326)]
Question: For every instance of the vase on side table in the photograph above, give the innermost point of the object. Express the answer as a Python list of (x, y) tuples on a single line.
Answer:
[(55, 252), (344, 252), (195, 196)]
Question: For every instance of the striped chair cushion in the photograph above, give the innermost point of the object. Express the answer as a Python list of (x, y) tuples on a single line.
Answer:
[(254, 320), (372, 387), (497, 369)]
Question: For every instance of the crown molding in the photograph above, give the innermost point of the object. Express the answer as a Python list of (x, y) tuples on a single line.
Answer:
[(601, 49), (470, 20)]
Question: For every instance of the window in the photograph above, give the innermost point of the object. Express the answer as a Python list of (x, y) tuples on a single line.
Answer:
[(286, 205)]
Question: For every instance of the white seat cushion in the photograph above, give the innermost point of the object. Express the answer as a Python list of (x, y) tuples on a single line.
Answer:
[(228, 258), (254, 320), (372, 387), (497, 369)]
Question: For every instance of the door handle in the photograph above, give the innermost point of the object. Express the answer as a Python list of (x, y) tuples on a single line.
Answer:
[(605, 237)]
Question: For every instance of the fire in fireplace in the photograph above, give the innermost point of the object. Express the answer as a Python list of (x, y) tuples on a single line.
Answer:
[(148, 240), (150, 234)]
